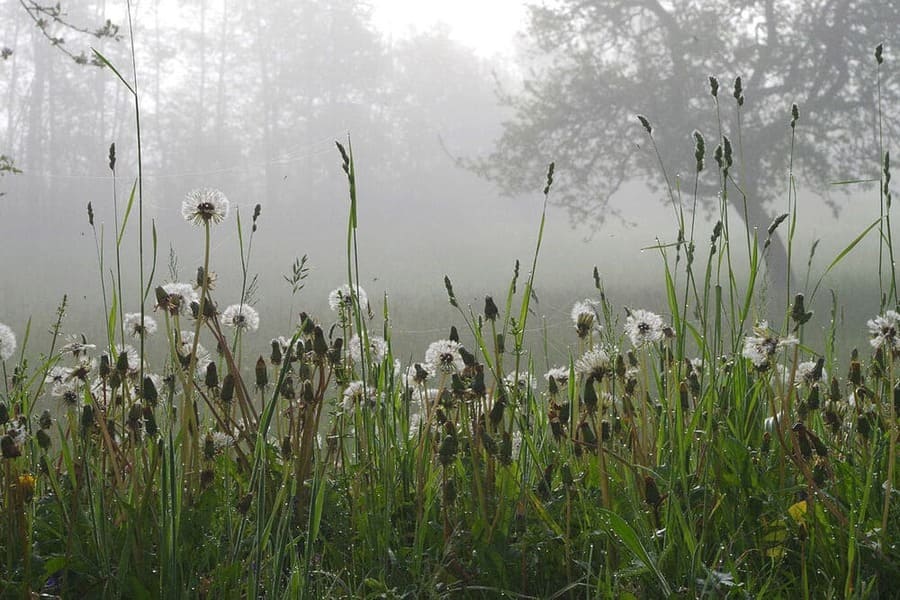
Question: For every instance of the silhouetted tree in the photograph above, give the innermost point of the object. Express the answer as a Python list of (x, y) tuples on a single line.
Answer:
[(598, 63)]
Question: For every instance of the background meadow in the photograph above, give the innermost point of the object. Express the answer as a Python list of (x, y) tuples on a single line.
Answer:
[(589, 379)]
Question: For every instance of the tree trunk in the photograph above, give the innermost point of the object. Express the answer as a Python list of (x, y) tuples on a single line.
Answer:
[(774, 257)]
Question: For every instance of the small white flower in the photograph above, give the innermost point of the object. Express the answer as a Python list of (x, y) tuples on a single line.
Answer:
[(131, 354), (415, 375), (377, 349), (57, 375), (516, 444), (584, 316), (221, 441), (521, 381), (183, 346), (354, 395), (424, 396), (761, 347), (134, 327), (416, 420), (19, 435), (342, 300), (884, 330), (204, 205), (593, 363), (178, 297), (76, 346), (559, 374), (444, 356), (67, 391), (7, 342), (242, 317), (806, 373), (155, 379), (643, 327)]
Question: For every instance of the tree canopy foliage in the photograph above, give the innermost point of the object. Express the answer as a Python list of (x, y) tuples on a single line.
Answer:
[(598, 63)]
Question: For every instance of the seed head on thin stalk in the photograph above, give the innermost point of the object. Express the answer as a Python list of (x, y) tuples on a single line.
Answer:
[(7, 342), (204, 205)]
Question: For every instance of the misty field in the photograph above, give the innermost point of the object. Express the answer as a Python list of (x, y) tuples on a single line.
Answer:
[(712, 448)]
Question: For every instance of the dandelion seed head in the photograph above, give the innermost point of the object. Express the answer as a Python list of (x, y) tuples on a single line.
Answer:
[(134, 357), (444, 356), (242, 317), (584, 316), (559, 374), (354, 395), (759, 348), (135, 328), (76, 346), (179, 296), (204, 205), (415, 375), (221, 440), (593, 363), (69, 392), (806, 373), (19, 435), (7, 342), (57, 374), (377, 349), (341, 299), (183, 346), (644, 327), (884, 331), (521, 381)]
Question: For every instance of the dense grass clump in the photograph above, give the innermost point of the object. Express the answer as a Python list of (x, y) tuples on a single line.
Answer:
[(701, 453)]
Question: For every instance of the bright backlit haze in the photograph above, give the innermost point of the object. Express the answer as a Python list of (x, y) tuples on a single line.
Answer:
[(489, 27)]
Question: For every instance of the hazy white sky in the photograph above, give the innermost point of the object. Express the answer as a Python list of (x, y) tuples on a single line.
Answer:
[(488, 26)]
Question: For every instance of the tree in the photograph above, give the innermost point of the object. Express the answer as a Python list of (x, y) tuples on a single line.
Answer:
[(599, 63)]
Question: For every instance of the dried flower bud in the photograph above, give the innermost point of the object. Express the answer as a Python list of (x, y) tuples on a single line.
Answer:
[(9, 448), (226, 394), (801, 316), (212, 376), (43, 439), (490, 309), (276, 356), (699, 149), (450, 294), (591, 399), (262, 375), (122, 362), (550, 169), (320, 346), (45, 421), (645, 123), (150, 422), (738, 91)]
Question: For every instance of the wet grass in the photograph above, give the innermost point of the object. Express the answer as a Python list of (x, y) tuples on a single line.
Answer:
[(690, 450)]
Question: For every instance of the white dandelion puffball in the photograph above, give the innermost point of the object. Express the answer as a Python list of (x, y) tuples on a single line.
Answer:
[(241, 316), (643, 327), (444, 356), (135, 328), (204, 205), (342, 298), (7, 342)]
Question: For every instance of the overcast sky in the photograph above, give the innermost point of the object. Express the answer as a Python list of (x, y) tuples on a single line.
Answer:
[(487, 26)]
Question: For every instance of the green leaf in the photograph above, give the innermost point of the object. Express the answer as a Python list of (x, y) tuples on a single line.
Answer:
[(624, 533)]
